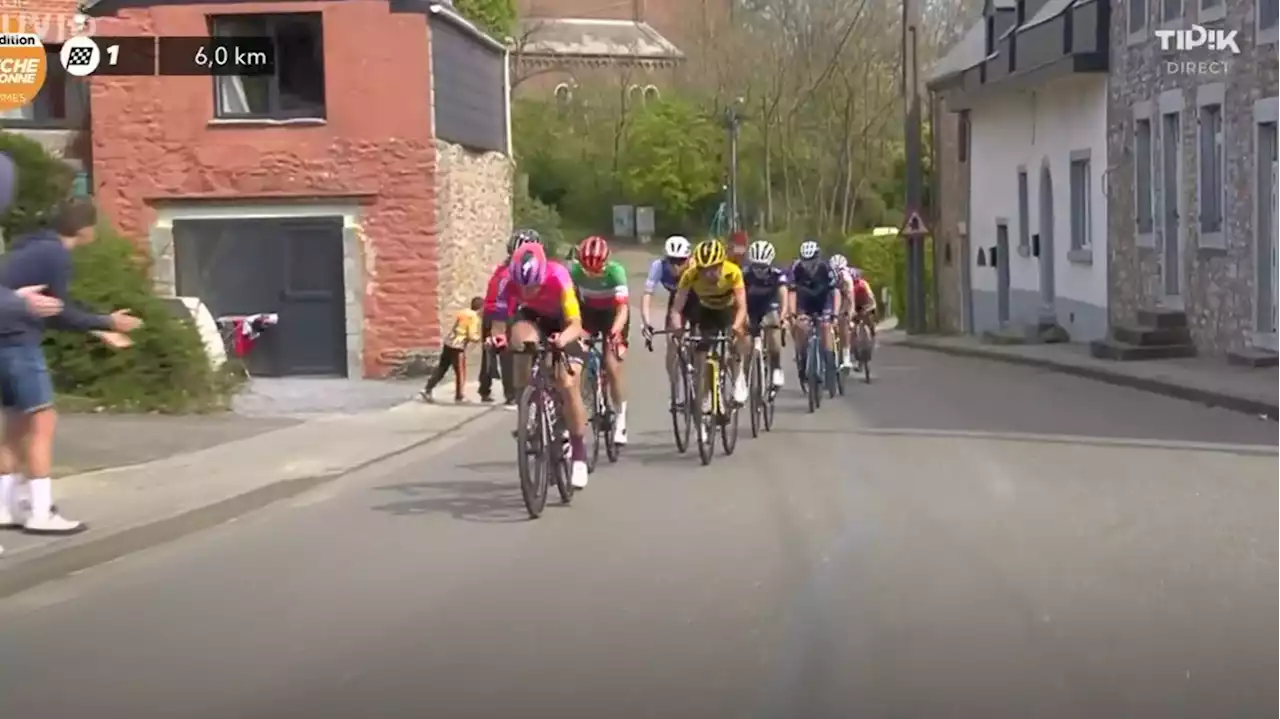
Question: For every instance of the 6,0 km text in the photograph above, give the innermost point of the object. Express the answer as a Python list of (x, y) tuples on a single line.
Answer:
[(217, 56)]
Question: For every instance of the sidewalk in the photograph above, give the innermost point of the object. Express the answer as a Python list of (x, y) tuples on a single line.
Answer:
[(131, 508), (1210, 381)]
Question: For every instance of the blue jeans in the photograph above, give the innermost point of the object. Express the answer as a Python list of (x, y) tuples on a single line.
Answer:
[(24, 379)]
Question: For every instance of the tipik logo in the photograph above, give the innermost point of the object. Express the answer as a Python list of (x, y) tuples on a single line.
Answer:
[(1198, 36)]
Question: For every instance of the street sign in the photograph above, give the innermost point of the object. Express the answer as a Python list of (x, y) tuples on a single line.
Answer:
[(914, 226)]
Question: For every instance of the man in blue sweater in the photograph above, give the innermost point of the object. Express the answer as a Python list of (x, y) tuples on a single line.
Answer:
[(26, 392)]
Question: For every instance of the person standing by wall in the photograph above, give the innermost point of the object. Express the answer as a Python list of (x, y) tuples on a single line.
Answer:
[(26, 391), (466, 330)]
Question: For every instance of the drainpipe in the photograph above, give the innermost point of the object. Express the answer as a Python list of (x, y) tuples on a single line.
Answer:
[(506, 90)]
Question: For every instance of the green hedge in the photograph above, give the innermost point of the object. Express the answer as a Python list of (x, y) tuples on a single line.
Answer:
[(166, 370)]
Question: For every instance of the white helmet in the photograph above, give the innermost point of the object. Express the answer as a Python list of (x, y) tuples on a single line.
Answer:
[(677, 247), (809, 250), (761, 252), (838, 262)]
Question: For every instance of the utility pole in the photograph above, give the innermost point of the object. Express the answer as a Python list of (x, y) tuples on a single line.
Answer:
[(732, 122), (916, 322)]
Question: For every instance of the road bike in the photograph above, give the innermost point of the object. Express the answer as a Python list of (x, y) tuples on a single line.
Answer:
[(541, 451), (864, 342), (681, 422), (713, 379), (819, 366), (760, 384), (598, 402)]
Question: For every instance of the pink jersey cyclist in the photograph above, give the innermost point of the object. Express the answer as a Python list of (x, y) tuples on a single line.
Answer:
[(551, 303)]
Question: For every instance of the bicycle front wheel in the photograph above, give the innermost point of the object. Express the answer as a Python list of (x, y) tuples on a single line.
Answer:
[(591, 404), (681, 418), (728, 415), (531, 451), (704, 380), (756, 389)]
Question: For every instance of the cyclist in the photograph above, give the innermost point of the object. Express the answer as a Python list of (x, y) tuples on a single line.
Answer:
[(541, 302), (602, 287), (812, 293), (495, 312), (844, 282), (766, 296), (864, 300), (712, 296), (666, 271)]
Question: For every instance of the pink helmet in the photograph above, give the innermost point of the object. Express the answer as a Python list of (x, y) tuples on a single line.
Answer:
[(529, 265)]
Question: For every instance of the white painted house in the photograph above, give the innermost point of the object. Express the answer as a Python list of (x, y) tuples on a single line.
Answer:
[(1030, 85)]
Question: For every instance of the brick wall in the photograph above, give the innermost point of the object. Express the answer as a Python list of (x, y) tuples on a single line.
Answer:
[(154, 139)]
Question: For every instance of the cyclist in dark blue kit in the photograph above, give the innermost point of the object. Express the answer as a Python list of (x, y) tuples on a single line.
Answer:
[(766, 298), (813, 296)]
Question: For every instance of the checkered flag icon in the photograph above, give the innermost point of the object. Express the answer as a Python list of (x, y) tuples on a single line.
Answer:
[(80, 56)]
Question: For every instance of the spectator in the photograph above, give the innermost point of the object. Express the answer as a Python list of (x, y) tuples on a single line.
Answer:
[(466, 330), (42, 258)]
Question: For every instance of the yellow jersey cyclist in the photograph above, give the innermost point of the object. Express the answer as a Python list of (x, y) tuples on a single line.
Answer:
[(602, 287), (541, 302), (712, 297)]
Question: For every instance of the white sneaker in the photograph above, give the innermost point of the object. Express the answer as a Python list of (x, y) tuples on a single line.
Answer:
[(54, 523), (706, 403), (846, 361), (740, 389), (578, 475), (778, 378), (9, 519), (620, 430), (702, 433)]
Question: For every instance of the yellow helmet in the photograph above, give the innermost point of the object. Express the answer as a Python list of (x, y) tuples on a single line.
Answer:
[(708, 253)]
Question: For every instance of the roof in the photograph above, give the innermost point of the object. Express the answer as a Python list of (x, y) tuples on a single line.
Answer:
[(595, 38), (970, 50)]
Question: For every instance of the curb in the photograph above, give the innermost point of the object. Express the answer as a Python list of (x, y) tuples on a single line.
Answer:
[(1269, 410), (59, 562)]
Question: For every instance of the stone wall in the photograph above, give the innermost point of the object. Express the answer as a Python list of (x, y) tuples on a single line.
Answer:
[(1219, 279), (950, 217), (473, 206)]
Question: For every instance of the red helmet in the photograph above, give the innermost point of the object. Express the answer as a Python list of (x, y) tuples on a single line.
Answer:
[(593, 253)]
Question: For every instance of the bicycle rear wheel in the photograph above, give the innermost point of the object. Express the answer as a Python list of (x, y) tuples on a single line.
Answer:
[(813, 370), (728, 417), (681, 418), (558, 465), (705, 383), (608, 420), (865, 342), (531, 450), (590, 404)]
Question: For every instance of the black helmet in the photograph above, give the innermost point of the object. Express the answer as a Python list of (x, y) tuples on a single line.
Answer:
[(520, 237)]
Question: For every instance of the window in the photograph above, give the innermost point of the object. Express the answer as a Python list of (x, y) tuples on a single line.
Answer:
[(1024, 203), (61, 103), (1080, 221), (564, 94), (295, 89), (1170, 10), (1137, 16), (651, 94), (963, 132), (1211, 169), (1142, 177), (1211, 10), (1269, 14)]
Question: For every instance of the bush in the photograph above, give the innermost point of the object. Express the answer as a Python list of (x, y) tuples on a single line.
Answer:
[(530, 212), (43, 182), (166, 370)]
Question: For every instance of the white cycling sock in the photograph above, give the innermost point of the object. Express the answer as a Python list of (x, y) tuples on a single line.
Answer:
[(41, 496), (8, 491)]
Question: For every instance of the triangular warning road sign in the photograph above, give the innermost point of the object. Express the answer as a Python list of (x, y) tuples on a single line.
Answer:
[(914, 226)]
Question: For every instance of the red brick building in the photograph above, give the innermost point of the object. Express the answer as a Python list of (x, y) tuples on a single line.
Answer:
[(360, 191)]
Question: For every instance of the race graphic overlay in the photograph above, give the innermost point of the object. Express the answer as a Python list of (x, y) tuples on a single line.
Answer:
[(113, 56), (243, 56), (80, 56), (23, 69)]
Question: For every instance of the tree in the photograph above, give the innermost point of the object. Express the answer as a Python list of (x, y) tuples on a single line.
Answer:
[(496, 17), (43, 181), (672, 158)]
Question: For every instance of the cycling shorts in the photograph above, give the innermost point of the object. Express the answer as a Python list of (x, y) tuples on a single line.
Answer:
[(707, 321), (600, 320), (815, 304), (548, 325)]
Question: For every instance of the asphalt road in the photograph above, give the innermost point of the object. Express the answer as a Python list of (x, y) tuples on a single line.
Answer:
[(958, 539)]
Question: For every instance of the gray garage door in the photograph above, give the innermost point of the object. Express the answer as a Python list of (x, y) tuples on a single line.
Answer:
[(292, 267)]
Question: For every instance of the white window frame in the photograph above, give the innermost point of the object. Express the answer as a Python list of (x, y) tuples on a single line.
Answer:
[(1140, 33), (1080, 209), (1212, 14), (1211, 95), (1143, 112)]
